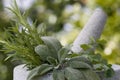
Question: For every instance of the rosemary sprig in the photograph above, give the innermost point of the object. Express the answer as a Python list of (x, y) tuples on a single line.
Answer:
[(23, 38)]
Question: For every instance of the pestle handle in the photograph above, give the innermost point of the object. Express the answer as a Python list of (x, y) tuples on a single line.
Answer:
[(92, 29)]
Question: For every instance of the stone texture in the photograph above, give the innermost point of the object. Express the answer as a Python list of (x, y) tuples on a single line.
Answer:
[(92, 29), (20, 73)]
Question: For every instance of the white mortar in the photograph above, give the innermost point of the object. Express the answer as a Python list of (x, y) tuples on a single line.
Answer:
[(20, 73)]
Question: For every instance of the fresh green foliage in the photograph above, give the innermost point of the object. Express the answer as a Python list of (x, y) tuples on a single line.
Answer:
[(45, 54), (99, 63), (53, 45), (22, 39), (60, 64), (40, 70)]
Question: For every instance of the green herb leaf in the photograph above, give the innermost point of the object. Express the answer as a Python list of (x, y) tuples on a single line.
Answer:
[(39, 71), (95, 58), (52, 61), (79, 65), (9, 56), (90, 74), (85, 46), (42, 51), (109, 73), (81, 59), (62, 54), (53, 45), (58, 75), (73, 74)]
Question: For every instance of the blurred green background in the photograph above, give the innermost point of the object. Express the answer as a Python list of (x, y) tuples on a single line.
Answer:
[(64, 19)]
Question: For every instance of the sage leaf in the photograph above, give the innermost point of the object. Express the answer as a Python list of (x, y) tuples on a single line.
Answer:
[(81, 59), (53, 44), (58, 75), (42, 51), (52, 61), (39, 71), (73, 74), (79, 65), (90, 74), (62, 54)]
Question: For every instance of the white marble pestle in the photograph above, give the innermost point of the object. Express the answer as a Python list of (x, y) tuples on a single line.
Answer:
[(92, 29)]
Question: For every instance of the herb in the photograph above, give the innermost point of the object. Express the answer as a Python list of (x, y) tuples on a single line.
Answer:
[(98, 62), (44, 54), (22, 39), (60, 62)]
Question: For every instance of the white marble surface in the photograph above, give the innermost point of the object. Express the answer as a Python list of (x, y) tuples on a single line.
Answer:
[(92, 29), (20, 73)]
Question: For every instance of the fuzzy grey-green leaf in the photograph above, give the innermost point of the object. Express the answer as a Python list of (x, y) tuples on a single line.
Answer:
[(53, 44), (42, 51), (63, 53), (81, 59), (39, 71), (79, 65), (73, 74), (33, 73), (58, 75), (90, 74), (52, 61)]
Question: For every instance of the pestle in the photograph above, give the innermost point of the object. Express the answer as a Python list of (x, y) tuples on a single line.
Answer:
[(92, 29)]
